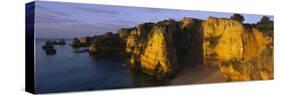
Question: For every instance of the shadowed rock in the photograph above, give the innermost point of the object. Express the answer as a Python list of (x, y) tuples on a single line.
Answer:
[(107, 45), (49, 48), (82, 41)]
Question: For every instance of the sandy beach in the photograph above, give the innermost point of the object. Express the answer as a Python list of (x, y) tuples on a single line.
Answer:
[(198, 74)]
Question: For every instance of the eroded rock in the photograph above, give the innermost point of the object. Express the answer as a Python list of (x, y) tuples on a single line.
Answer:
[(164, 48), (107, 45)]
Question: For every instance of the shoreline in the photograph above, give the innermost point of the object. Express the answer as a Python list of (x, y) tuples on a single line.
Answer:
[(198, 74)]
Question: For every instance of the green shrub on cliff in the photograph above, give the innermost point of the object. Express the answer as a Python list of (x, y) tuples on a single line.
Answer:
[(265, 24), (237, 17)]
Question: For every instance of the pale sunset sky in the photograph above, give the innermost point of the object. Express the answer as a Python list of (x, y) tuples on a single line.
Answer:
[(68, 20)]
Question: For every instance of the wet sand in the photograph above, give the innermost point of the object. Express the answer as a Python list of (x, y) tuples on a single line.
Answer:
[(198, 74)]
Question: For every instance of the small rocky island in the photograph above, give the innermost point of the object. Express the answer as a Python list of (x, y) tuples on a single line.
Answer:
[(49, 46), (241, 51)]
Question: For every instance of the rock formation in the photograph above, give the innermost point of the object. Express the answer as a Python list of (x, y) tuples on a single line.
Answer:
[(240, 48), (54, 42), (107, 45), (161, 49), (164, 48), (49, 48), (230, 39), (61, 42), (82, 41)]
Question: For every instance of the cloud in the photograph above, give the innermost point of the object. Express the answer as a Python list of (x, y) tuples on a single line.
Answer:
[(70, 30), (58, 13), (47, 14), (97, 11), (119, 23), (155, 10), (42, 17), (49, 10), (38, 6)]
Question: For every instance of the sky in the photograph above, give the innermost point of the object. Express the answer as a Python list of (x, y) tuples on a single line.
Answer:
[(69, 20)]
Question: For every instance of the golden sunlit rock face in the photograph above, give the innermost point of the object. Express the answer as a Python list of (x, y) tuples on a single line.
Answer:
[(243, 51), (163, 48), (160, 50), (225, 38)]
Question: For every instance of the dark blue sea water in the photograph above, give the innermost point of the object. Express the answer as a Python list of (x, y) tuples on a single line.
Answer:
[(70, 71)]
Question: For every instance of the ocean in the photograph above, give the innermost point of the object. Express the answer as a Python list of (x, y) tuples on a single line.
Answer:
[(68, 70)]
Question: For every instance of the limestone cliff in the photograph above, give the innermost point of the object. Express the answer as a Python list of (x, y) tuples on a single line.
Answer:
[(243, 52), (230, 39), (222, 38), (164, 48), (135, 38), (160, 54)]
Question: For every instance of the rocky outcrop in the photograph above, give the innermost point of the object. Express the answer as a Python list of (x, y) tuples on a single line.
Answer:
[(54, 42), (222, 38), (159, 57), (164, 48), (82, 41), (107, 45), (161, 49), (258, 68), (49, 48), (61, 42), (135, 39), (229, 39), (242, 51)]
